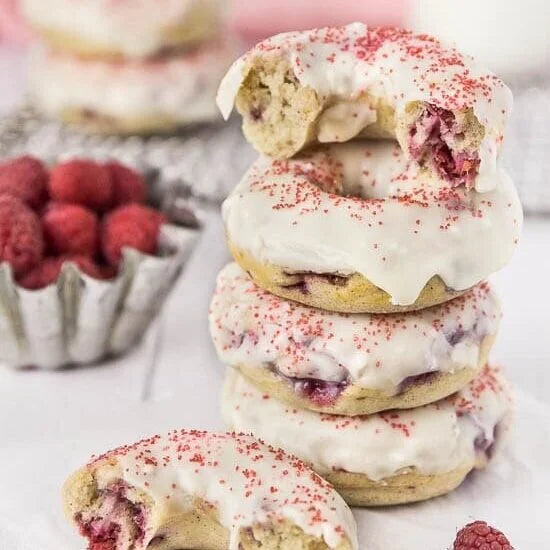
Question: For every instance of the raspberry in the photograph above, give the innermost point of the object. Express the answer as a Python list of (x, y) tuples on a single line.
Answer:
[(82, 182), (480, 536), (133, 226), (70, 229), (21, 242), (48, 271), (25, 178), (128, 185)]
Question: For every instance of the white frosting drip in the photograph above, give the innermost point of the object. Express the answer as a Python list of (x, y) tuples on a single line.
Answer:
[(252, 327), (135, 27), (246, 481), (400, 68), (180, 87), (281, 213), (434, 439)]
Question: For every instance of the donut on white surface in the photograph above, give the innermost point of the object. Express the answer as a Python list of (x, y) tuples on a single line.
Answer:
[(390, 457), (193, 489)]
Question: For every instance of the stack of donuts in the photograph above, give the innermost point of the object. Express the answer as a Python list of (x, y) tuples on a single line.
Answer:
[(357, 319), (128, 66)]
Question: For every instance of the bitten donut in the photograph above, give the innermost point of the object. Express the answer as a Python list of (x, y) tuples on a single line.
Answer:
[(123, 28), (193, 489), (356, 227), (350, 364), (337, 83), (140, 96), (388, 458)]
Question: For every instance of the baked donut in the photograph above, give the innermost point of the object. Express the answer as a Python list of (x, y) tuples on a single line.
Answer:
[(390, 457), (350, 364), (356, 227), (337, 83), (215, 491), (123, 28), (139, 96)]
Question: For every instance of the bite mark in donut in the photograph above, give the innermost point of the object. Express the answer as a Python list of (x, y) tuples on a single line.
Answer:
[(197, 489), (435, 139), (114, 520)]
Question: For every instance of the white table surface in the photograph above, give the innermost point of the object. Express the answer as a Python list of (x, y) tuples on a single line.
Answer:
[(176, 364)]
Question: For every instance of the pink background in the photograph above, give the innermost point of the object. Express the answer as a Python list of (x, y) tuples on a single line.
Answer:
[(254, 19)]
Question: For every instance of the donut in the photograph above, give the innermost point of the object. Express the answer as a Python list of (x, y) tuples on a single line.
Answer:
[(350, 364), (123, 28), (139, 96), (337, 83), (391, 457), (356, 227), (215, 491)]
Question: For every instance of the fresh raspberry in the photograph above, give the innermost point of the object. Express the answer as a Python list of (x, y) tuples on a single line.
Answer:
[(25, 178), (128, 185), (82, 182), (21, 242), (133, 226), (48, 271), (480, 536), (70, 229)]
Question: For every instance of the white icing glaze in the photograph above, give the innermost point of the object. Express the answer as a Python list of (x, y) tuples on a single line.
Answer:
[(434, 439), (181, 87), (246, 481), (340, 63), (252, 327), (282, 213), (134, 27)]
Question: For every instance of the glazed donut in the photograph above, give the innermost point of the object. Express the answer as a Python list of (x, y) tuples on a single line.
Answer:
[(337, 83), (390, 457), (140, 96), (125, 28), (356, 228), (350, 364), (194, 489)]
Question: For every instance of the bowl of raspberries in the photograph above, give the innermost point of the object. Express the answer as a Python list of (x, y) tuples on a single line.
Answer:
[(85, 261)]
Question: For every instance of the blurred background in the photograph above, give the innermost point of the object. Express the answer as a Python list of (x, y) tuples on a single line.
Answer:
[(511, 37)]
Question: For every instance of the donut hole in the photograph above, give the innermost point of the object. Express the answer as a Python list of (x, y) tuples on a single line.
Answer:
[(278, 113), (445, 142)]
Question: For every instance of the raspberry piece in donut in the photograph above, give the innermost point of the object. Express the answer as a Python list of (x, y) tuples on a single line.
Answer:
[(437, 140), (192, 489), (21, 241), (391, 457), (338, 83)]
